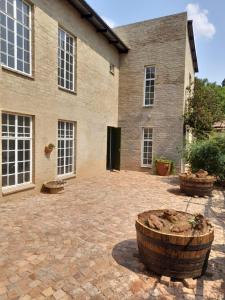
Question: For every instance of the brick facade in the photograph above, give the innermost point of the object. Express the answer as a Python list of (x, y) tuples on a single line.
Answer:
[(162, 43)]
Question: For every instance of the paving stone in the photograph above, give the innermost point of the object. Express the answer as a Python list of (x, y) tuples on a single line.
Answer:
[(3, 290), (137, 286), (165, 280), (26, 297), (190, 283), (48, 292), (59, 294)]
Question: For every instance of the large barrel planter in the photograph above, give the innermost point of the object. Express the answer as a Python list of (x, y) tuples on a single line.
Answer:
[(173, 255), (194, 186)]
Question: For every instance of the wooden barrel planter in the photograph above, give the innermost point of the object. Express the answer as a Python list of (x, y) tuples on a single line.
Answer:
[(194, 186), (176, 256), (55, 187)]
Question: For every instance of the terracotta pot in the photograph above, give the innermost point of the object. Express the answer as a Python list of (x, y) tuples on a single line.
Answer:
[(163, 168)]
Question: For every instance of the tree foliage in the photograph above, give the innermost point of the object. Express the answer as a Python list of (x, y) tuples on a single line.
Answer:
[(205, 106), (208, 155)]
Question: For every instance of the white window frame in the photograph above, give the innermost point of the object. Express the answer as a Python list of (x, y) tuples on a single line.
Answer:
[(142, 147), (16, 138), (73, 150), (145, 80), (15, 39), (59, 59)]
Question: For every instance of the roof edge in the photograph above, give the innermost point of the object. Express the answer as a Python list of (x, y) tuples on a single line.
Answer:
[(88, 13), (183, 13), (192, 45)]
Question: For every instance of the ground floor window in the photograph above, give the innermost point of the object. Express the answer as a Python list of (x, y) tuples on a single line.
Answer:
[(147, 147), (65, 163), (16, 149)]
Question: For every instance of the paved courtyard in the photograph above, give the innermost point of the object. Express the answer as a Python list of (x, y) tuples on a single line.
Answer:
[(81, 244)]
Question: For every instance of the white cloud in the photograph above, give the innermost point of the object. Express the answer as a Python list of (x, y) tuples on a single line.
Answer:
[(109, 22), (202, 26)]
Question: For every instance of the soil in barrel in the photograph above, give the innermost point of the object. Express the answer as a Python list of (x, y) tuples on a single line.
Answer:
[(177, 223)]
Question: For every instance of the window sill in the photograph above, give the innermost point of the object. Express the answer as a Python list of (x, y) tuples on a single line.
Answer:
[(5, 68), (17, 189), (68, 91), (65, 177), (146, 106), (147, 167)]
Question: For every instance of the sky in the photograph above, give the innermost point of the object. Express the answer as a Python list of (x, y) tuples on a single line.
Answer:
[(209, 25)]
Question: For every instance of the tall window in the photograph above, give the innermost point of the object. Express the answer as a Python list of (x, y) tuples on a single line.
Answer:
[(65, 148), (149, 86), (65, 60), (147, 147), (15, 35), (16, 149)]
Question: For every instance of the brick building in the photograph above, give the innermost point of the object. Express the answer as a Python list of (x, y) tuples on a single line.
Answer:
[(105, 98)]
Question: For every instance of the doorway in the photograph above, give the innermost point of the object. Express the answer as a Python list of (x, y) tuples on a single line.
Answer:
[(113, 148)]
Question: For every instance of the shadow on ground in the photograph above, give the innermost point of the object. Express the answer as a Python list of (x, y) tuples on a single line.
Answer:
[(176, 191), (214, 273), (126, 254), (172, 180)]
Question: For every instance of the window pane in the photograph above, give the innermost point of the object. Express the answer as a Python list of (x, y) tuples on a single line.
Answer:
[(4, 169), (3, 5), (12, 180), (4, 181), (20, 178), (11, 62), (27, 177)]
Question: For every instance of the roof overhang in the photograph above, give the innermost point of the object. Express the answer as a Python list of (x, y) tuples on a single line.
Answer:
[(192, 45), (92, 17)]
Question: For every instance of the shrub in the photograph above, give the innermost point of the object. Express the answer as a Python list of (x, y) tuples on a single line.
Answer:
[(208, 155)]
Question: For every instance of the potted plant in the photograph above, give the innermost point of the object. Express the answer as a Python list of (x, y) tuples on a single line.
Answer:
[(163, 166), (49, 148)]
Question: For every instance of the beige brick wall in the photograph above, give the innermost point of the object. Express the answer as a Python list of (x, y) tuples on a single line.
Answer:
[(160, 43), (93, 108)]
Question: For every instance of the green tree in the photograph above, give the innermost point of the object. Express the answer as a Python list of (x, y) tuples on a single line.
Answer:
[(205, 106), (208, 154)]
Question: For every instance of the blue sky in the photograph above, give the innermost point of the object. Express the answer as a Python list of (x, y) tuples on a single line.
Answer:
[(209, 25)]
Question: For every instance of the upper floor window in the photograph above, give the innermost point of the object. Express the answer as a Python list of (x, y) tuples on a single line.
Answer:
[(149, 86), (15, 35), (66, 51)]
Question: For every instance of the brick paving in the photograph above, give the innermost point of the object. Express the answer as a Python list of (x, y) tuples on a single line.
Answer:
[(81, 244)]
